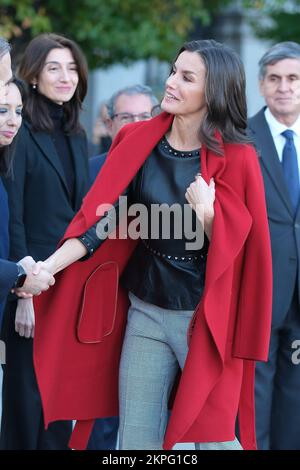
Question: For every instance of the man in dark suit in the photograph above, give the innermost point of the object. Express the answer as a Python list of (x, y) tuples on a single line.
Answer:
[(134, 103), (276, 133)]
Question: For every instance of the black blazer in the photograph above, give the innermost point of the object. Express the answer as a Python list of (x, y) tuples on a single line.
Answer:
[(284, 228), (39, 201)]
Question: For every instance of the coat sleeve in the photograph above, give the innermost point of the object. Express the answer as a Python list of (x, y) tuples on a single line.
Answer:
[(253, 326), (95, 165), (8, 275), (15, 187)]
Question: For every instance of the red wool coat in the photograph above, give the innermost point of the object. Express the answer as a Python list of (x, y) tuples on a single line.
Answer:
[(80, 322)]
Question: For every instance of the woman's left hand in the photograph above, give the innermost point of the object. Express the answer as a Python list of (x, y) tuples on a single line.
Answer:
[(201, 198), (25, 319)]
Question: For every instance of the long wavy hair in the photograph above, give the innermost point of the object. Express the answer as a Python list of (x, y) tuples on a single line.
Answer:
[(225, 92), (33, 61)]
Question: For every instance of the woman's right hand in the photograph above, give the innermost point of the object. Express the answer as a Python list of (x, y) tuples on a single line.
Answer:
[(25, 320)]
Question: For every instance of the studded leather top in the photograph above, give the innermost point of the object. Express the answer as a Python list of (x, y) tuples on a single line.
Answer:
[(167, 268), (166, 271)]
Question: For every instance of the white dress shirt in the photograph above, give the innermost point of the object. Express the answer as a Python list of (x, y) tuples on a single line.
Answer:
[(277, 128)]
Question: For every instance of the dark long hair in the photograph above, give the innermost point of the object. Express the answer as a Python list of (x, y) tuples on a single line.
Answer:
[(7, 151), (30, 68), (225, 94)]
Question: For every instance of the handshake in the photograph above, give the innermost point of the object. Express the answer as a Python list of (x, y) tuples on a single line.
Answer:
[(38, 278)]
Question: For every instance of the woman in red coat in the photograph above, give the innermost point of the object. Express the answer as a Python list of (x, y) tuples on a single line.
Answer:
[(202, 308)]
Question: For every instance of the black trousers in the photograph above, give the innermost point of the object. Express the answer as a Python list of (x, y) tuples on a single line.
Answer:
[(22, 426), (277, 388)]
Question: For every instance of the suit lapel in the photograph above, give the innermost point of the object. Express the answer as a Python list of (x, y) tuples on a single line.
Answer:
[(267, 152), (47, 147)]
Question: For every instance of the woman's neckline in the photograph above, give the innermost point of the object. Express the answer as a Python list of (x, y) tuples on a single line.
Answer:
[(56, 110), (168, 149)]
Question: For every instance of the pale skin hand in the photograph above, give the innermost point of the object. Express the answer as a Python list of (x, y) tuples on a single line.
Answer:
[(201, 196), (72, 250), (38, 278), (27, 263), (25, 321)]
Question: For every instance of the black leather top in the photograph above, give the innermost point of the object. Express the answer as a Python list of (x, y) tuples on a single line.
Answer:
[(165, 272)]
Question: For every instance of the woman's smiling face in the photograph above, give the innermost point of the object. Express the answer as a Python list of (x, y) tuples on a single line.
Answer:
[(185, 87)]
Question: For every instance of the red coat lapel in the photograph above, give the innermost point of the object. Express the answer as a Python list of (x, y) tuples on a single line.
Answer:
[(130, 149), (231, 226)]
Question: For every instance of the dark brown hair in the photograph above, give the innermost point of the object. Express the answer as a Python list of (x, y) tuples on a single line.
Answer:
[(7, 151), (224, 91), (32, 65)]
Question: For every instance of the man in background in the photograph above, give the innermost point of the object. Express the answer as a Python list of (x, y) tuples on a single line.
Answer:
[(130, 104), (276, 134)]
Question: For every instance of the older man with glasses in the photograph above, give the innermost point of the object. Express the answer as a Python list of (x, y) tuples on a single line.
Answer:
[(130, 104)]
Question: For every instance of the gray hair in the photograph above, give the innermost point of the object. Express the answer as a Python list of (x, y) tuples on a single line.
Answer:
[(280, 51), (4, 47), (130, 91)]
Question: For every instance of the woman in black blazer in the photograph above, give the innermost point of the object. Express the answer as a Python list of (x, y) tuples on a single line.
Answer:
[(50, 180), (11, 103)]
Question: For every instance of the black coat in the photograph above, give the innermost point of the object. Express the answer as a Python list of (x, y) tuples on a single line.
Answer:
[(8, 275), (284, 228), (8, 270), (39, 201)]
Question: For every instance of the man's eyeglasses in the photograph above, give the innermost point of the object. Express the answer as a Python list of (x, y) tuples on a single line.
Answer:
[(128, 117)]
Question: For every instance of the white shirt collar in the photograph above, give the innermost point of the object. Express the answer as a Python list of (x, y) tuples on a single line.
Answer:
[(277, 127)]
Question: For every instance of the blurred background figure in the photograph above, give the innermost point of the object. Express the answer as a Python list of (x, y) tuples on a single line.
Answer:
[(130, 104), (101, 138), (50, 179)]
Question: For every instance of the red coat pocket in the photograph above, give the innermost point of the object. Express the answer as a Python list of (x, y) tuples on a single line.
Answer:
[(99, 304)]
